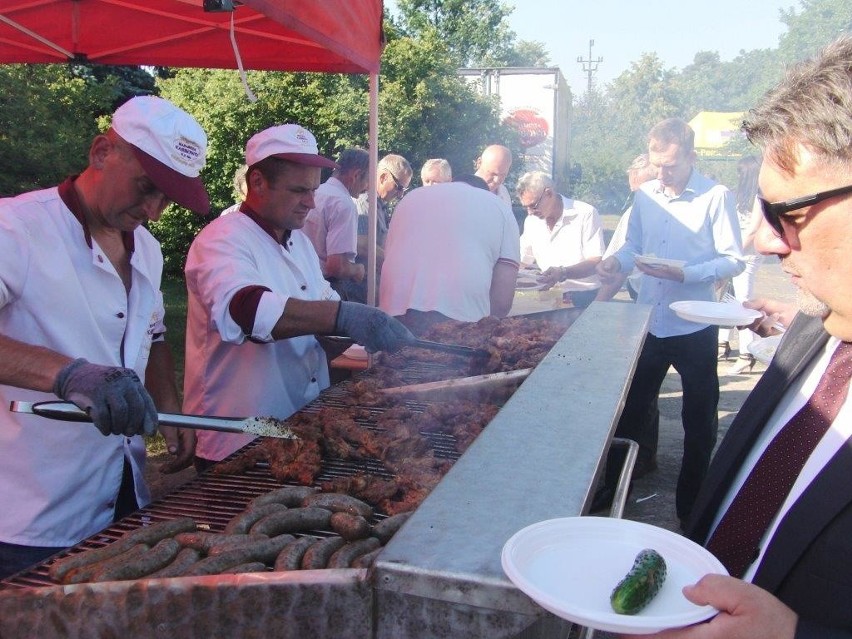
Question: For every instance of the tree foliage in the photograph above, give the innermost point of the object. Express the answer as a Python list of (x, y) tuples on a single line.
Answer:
[(476, 32), (425, 111), (47, 121)]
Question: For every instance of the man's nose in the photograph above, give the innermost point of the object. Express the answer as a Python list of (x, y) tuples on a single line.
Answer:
[(768, 242)]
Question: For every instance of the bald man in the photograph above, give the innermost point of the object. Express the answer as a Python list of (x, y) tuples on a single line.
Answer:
[(493, 167)]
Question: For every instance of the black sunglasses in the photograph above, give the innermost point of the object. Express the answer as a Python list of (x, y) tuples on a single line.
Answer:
[(537, 203), (774, 212), (399, 187)]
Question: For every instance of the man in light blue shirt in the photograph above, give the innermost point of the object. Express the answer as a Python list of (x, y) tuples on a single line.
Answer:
[(682, 216)]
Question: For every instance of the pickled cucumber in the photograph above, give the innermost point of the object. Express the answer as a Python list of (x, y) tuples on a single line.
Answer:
[(641, 584)]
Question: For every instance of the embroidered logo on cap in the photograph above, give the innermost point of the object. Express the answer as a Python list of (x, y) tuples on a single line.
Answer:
[(187, 152), (304, 137)]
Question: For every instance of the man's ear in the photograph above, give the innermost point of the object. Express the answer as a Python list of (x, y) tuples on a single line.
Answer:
[(99, 150), (255, 182)]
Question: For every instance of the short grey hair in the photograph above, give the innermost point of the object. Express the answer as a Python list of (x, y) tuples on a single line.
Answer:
[(397, 165), (534, 182), (811, 106), (443, 167)]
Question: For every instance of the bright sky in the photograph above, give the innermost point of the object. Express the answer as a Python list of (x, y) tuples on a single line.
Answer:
[(625, 29)]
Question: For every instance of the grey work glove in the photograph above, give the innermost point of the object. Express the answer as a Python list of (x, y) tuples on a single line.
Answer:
[(375, 330), (114, 397)]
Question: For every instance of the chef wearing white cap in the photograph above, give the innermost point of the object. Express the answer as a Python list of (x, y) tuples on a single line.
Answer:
[(257, 297), (81, 319)]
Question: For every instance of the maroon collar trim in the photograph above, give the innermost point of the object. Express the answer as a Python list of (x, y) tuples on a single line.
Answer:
[(68, 194), (263, 224)]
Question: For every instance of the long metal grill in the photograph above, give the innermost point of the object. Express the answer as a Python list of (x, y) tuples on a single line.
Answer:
[(212, 500)]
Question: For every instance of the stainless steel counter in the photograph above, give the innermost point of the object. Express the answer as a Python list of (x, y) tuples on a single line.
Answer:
[(540, 458)]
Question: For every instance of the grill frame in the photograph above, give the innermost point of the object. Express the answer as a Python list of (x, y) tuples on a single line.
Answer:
[(440, 576)]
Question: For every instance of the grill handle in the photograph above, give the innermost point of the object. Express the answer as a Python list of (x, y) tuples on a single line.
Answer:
[(68, 412)]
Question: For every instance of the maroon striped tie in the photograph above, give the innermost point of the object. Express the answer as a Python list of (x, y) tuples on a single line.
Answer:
[(737, 537)]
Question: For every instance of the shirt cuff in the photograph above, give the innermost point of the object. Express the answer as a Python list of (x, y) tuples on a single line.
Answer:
[(269, 311)]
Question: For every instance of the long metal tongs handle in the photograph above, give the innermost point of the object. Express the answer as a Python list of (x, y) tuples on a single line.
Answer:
[(451, 348), (68, 412)]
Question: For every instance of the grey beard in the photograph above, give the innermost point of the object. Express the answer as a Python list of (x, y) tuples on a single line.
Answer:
[(810, 305)]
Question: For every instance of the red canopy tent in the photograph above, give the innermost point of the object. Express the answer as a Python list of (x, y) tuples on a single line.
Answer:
[(337, 36), (285, 35)]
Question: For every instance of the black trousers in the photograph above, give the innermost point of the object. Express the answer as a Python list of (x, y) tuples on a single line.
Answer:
[(693, 356)]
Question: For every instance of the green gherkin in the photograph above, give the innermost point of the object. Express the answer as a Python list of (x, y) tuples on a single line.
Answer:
[(641, 584)]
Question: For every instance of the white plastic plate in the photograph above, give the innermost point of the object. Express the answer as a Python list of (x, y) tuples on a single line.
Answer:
[(356, 351), (763, 348), (728, 314), (650, 260), (570, 566)]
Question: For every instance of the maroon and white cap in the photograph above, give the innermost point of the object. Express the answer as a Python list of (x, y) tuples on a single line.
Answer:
[(288, 142), (169, 144)]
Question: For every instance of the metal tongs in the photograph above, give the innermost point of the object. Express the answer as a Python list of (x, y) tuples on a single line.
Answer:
[(455, 349), (68, 412)]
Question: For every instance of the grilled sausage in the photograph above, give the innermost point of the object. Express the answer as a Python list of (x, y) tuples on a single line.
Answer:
[(149, 561), (60, 568), (155, 532), (227, 546), (253, 566), (350, 526), (184, 559), (292, 520), (148, 535), (87, 572), (206, 541), (290, 557), (339, 502), (290, 496), (347, 554), (241, 523), (215, 565), (264, 551), (320, 552), (385, 529), (365, 561)]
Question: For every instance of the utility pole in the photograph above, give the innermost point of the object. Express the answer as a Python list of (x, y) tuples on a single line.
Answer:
[(590, 65)]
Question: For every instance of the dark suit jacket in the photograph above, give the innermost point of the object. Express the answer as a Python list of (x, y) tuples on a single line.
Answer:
[(808, 563)]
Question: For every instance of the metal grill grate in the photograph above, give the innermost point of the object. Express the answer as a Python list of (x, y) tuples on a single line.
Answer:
[(212, 500)]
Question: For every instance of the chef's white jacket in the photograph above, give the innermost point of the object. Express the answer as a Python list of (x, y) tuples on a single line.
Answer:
[(59, 480), (227, 374)]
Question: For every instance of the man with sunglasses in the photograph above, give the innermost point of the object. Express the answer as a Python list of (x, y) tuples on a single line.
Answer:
[(794, 580), (393, 178), (562, 236), (684, 216)]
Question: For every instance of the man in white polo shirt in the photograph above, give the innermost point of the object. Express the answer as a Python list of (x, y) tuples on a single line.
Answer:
[(257, 298), (81, 319), (332, 225)]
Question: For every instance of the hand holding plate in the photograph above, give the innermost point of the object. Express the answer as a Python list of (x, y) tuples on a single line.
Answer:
[(777, 316), (661, 271), (746, 611)]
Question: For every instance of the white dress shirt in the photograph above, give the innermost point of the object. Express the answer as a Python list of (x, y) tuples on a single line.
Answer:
[(576, 236), (698, 226)]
